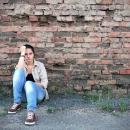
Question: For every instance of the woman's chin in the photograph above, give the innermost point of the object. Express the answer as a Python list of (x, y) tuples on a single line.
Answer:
[(29, 61)]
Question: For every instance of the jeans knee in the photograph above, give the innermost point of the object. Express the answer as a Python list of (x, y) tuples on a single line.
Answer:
[(29, 87), (18, 75)]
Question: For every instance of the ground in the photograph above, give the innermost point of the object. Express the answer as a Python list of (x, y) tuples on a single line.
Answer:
[(66, 112)]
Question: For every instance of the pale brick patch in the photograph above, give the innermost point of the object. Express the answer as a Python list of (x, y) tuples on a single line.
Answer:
[(104, 1), (22, 9), (65, 18), (54, 1)]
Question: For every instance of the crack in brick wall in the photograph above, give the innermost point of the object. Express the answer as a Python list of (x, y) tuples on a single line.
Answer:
[(83, 43)]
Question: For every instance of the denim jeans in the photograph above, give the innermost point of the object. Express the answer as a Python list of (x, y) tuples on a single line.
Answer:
[(28, 90)]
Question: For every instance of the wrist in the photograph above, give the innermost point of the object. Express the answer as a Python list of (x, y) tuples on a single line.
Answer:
[(22, 53), (22, 56)]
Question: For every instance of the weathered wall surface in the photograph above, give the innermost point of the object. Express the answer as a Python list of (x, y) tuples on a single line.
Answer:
[(83, 43)]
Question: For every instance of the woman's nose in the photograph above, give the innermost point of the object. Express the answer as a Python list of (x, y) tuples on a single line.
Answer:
[(27, 55)]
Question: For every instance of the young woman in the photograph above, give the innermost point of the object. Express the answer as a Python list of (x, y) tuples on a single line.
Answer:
[(29, 80)]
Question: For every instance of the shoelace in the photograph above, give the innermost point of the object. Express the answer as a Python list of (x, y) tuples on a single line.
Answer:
[(14, 106), (30, 115)]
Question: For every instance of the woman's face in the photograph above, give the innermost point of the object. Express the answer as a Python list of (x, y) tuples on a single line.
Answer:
[(29, 55)]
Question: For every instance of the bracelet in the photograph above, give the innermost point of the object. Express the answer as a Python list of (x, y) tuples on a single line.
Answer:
[(22, 56)]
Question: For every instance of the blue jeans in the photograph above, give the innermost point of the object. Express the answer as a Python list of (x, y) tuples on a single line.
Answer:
[(28, 90)]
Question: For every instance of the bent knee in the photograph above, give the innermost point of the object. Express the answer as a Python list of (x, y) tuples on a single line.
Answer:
[(29, 86)]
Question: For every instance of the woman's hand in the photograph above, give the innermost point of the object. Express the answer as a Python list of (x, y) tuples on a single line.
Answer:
[(21, 62), (38, 83), (22, 50)]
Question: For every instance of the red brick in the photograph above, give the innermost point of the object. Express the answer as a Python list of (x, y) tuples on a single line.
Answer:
[(127, 45), (113, 45), (72, 56), (54, 1), (65, 18), (72, 28), (13, 50), (105, 72), (88, 45), (59, 39), (5, 72), (9, 50), (50, 29), (125, 71), (52, 55), (95, 34), (105, 82), (4, 1), (39, 13), (34, 39), (127, 2), (88, 28), (34, 23), (77, 39), (124, 24), (2, 42), (5, 18), (4, 62), (92, 39), (124, 56), (96, 72), (125, 34), (35, 1), (67, 73), (4, 50), (5, 78), (114, 34), (93, 18), (110, 24), (116, 52), (78, 50), (95, 50), (90, 82), (33, 18), (69, 39), (91, 61), (103, 62), (9, 28), (56, 61), (121, 2), (81, 61), (114, 71), (3, 56), (31, 29), (39, 29)]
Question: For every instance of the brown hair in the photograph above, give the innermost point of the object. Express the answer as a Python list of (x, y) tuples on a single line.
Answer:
[(30, 47)]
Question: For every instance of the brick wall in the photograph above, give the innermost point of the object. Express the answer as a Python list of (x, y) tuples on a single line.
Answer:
[(83, 43)]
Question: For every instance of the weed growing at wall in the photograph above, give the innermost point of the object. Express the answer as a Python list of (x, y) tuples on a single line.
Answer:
[(106, 101)]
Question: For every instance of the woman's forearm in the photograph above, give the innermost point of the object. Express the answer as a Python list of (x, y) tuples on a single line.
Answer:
[(21, 62)]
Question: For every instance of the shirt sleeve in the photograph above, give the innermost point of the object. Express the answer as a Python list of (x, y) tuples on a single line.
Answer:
[(43, 75)]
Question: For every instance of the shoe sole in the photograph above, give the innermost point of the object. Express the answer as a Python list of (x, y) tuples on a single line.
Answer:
[(10, 112), (30, 123)]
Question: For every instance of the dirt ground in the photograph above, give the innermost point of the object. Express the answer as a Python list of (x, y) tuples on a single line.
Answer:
[(65, 112)]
